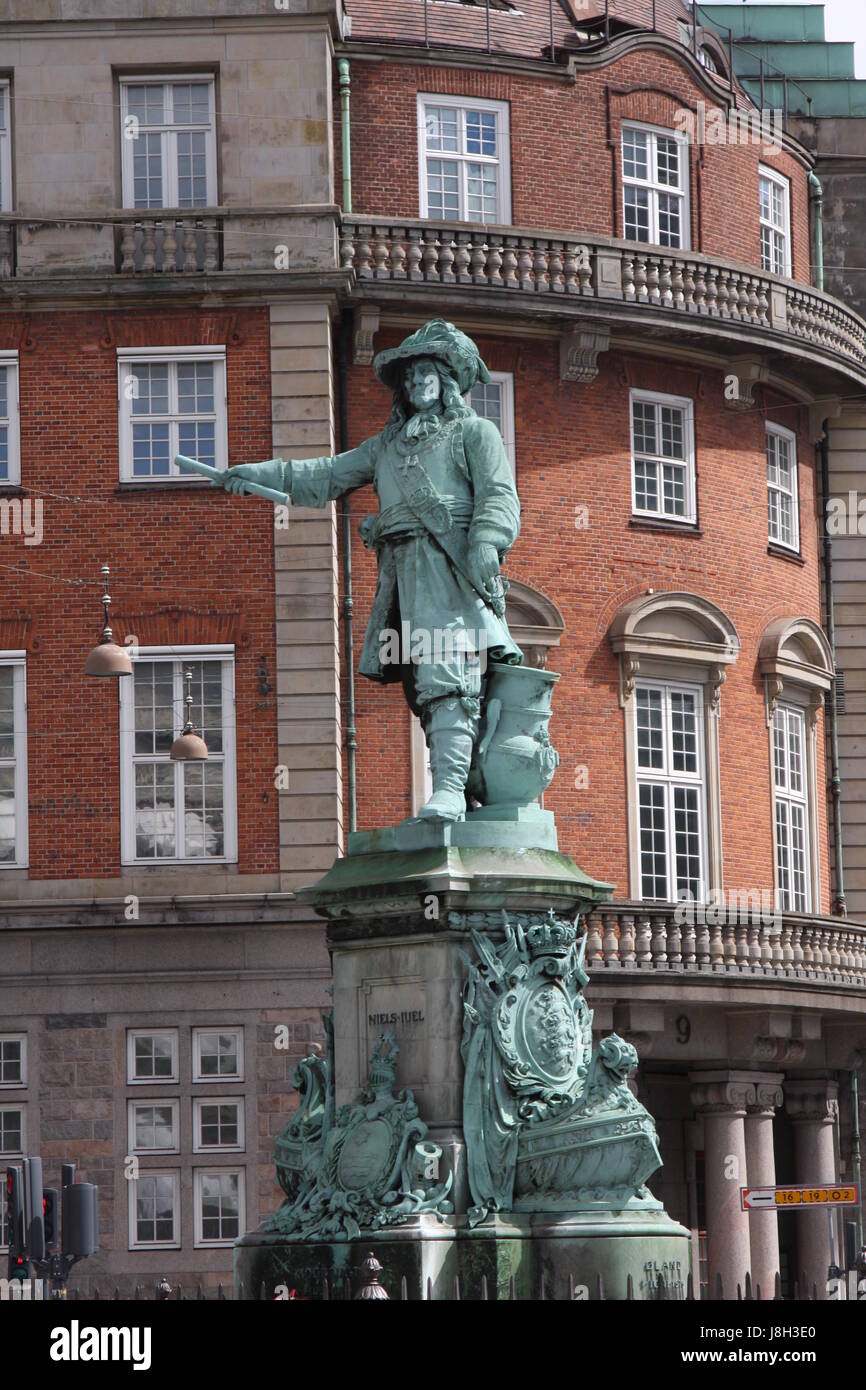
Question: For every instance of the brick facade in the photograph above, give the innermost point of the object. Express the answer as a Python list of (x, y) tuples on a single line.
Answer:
[(187, 566), (565, 149)]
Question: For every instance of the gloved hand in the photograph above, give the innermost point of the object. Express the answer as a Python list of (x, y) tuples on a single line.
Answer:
[(484, 569), (272, 473)]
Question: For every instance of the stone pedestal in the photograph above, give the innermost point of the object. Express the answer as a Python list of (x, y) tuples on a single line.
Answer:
[(555, 1257), (431, 924), (813, 1106)]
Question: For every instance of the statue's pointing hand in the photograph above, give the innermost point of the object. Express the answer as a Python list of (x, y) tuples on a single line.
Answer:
[(269, 474)]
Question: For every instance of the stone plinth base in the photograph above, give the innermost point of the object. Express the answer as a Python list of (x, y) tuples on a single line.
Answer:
[(561, 1250)]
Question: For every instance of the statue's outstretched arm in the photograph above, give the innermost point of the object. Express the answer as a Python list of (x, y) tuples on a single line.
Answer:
[(309, 482)]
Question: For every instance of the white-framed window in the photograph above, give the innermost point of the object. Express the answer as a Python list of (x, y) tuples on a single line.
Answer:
[(153, 1126), (154, 1210), (790, 773), (655, 183), (775, 204), (13, 1129), (151, 1055), (13, 760), (10, 433), (5, 149), (663, 456), (464, 159), (494, 400), (13, 1059), (171, 401), (217, 1054), (168, 142), (783, 522), (218, 1123), (219, 1206), (183, 810), (671, 791)]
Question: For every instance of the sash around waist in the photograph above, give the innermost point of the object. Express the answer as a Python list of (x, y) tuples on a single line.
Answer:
[(401, 521)]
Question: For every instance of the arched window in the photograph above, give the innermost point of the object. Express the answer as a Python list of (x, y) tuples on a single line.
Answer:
[(673, 649), (797, 665)]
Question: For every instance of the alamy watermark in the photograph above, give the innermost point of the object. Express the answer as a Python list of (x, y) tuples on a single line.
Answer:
[(22, 517), (846, 516), (421, 646), (735, 907), (710, 125)]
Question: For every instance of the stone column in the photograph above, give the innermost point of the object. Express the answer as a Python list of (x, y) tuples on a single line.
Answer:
[(813, 1107), (761, 1172), (722, 1098)]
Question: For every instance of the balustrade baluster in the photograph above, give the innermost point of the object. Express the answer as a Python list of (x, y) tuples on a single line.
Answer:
[(593, 942), (211, 245), (381, 269), (430, 257), (494, 261), (571, 283), (678, 285), (524, 263), (398, 254), (797, 948), (446, 261), (584, 269), (626, 941), (729, 946), (190, 246), (347, 246), (652, 280), (610, 943), (478, 260), (675, 938), (665, 292), (702, 945), (717, 950), (169, 247), (127, 249), (555, 268), (689, 943), (148, 246), (365, 253), (509, 264), (628, 287), (643, 943), (414, 254), (741, 946), (722, 293), (787, 950), (689, 286), (640, 279), (463, 258), (807, 937), (540, 266)]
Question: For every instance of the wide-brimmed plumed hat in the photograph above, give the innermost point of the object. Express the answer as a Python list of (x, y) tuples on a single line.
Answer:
[(440, 340)]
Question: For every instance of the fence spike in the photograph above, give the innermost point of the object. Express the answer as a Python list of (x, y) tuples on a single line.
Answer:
[(690, 1288), (512, 1290), (739, 1293), (629, 1289), (457, 1288), (661, 1290), (748, 1287), (600, 1286), (484, 1298), (757, 1293), (429, 1289), (777, 1296), (705, 1293), (404, 1290)]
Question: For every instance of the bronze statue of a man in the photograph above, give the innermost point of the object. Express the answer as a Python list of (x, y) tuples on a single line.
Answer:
[(448, 514)]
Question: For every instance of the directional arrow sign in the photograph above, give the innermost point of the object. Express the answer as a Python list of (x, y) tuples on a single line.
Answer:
[(798, 1198)]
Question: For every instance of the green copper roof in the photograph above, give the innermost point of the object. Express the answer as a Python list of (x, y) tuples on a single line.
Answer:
[(789, 39)]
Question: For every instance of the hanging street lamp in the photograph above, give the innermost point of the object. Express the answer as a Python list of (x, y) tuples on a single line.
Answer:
[(188, 746), (107, 658)]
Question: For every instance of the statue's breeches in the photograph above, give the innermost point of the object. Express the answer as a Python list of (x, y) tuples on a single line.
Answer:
[(427, 616)]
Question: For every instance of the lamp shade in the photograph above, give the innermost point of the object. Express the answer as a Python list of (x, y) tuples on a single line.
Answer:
[(188, 746), (108, 659)]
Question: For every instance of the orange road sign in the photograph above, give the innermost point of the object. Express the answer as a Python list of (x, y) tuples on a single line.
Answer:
[(798, 1198)]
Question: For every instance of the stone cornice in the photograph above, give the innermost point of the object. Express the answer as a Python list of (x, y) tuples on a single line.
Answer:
[(722, 1092)]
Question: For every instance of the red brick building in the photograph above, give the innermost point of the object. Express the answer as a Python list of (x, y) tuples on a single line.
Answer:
[(630, 243)]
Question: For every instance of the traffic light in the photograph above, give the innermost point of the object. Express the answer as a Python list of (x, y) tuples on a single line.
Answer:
[(34, 1231), (14, 1210), (80, 1225), (50, 1217)]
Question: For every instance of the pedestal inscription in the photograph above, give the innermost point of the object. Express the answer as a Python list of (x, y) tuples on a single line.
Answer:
[(397, 1003)]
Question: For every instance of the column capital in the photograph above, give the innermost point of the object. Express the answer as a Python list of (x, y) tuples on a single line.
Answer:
[(722, 1092), (768, 1093), (812, 1101)]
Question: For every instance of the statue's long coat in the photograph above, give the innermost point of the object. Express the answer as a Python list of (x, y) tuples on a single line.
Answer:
[(418, 584)]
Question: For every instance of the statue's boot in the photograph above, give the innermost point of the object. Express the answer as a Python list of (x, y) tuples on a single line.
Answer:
[(451, 737)]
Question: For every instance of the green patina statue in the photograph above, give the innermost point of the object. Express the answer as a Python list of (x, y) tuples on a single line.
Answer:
[(448, 514)]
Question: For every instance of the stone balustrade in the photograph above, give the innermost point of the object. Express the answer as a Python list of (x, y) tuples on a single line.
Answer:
[(646, 936), (7, 250), (168, 242), (511, 260)]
